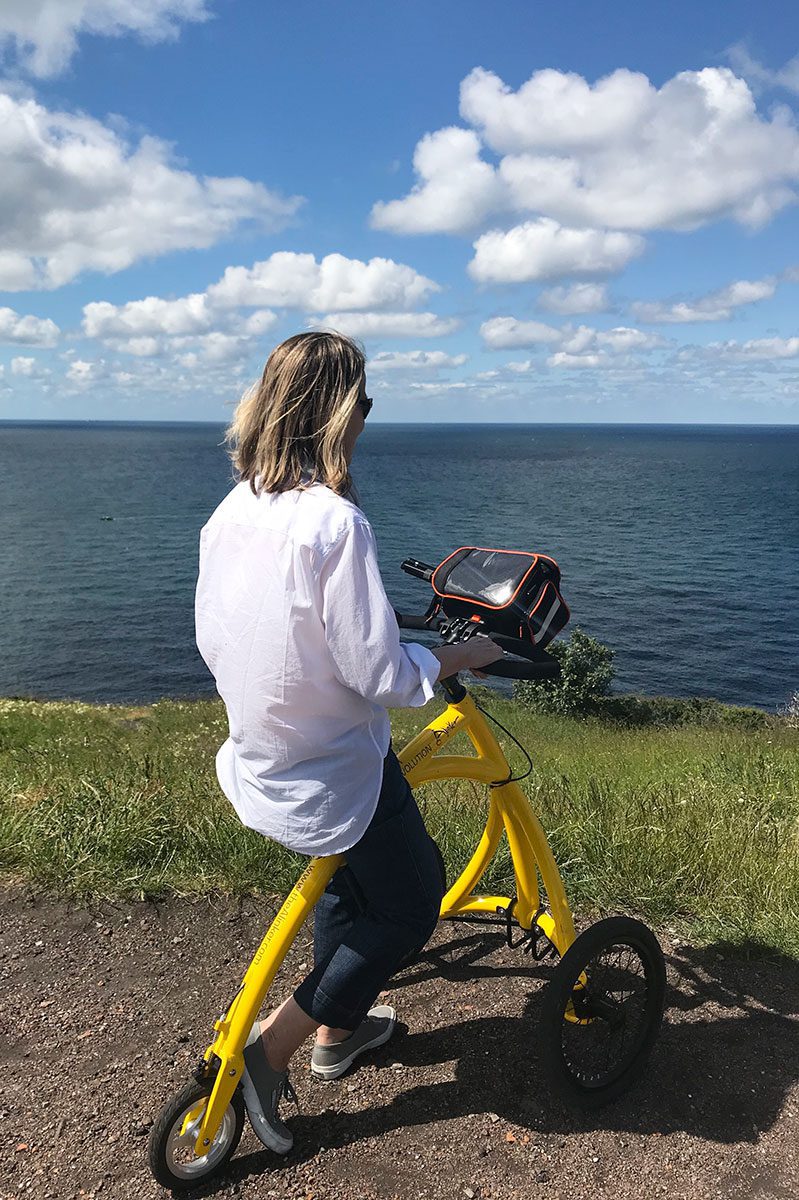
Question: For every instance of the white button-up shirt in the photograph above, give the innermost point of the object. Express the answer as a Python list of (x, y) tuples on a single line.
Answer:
[(293, 622)]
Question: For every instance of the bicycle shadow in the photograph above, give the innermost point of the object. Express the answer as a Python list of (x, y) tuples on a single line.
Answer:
[(731, 1034)]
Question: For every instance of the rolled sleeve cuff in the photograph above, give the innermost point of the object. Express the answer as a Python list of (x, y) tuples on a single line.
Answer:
[(428, 668)]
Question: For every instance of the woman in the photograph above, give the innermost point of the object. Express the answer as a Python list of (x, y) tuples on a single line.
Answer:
[(293, 622)]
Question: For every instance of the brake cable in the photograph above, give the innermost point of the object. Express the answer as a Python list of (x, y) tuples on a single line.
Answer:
[(459, 629), (511, 778)]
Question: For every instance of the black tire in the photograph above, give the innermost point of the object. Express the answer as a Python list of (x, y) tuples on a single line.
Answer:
[(163, 1144), (597, 1052)]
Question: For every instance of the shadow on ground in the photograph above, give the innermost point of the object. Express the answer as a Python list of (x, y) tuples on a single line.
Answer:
[(727, 1055)]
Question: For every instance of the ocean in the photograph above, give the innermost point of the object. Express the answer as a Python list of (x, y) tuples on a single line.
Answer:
[(678, 546)]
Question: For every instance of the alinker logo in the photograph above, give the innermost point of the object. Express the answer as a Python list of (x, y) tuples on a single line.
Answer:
[(439, 735)]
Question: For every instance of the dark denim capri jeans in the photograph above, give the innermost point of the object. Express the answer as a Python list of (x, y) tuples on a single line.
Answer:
[(380, 907)]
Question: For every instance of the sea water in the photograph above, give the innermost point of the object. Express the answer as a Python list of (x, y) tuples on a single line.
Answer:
[(679, 546)]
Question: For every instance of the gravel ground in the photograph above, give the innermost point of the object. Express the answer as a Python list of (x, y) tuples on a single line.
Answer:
[(103, 1013)]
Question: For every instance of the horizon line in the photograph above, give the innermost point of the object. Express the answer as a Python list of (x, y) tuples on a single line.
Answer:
[(27, 421)]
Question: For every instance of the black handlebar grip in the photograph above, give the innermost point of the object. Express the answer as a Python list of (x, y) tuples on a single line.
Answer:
[(412, 566), (530, 663), (518, 668)]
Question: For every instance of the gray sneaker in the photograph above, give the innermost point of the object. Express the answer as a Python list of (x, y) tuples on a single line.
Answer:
[(263, 1088), (328, 1062)]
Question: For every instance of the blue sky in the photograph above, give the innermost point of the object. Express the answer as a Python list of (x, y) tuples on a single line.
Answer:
[(525, 211)]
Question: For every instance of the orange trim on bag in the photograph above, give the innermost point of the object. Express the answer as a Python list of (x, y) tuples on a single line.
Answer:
[(488, 550)]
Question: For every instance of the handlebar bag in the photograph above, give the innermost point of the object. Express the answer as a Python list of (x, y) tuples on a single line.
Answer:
[(507, 591)]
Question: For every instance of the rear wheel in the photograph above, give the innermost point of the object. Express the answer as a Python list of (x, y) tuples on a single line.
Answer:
[(172, 1159), (602, 1011)]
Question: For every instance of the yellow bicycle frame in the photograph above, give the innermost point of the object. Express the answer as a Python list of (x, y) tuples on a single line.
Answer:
[(509, 811)]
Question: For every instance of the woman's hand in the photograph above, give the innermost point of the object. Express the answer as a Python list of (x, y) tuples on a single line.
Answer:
[(478, 652)]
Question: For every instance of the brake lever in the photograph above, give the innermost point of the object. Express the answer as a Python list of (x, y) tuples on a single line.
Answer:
[(459, 629)]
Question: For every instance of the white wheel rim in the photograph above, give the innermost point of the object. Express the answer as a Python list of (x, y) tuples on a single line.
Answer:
[(180, 1146)]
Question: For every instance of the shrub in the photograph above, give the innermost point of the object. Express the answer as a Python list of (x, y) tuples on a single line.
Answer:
[(586, 675), (637, 711)]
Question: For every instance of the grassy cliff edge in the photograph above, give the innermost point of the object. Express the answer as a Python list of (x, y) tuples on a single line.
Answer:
[(692, 823)]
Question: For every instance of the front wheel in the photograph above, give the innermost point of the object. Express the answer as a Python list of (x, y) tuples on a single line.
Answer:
[(602, 1012), (172, 1159)]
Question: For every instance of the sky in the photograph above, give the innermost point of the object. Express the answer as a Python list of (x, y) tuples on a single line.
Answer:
[(524, 211)]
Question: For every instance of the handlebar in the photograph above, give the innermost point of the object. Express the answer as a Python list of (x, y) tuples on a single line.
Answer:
[(406, 622), (412, 566), (527, 663)]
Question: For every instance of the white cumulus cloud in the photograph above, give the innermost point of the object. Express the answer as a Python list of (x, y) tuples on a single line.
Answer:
[(758, 348), (82, 371), (506, 333), (388, 324), (441, 388), (140, 347), (44, 33), (236, 340), (75, 196), (543, 249), (715, 306), (415, 360), (580, 361), (578, 298), (623, 339), (216, 346), (212, 322), (259, 322), (289, 280), (151, 316), (23, 366), (457, 190), (591, 346), (554, 110), (617, 154), (27, 331)]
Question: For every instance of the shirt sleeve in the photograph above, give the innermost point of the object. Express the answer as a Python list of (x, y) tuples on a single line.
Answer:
[(361, 627)]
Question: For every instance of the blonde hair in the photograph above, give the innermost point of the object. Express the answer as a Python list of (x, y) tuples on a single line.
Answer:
[(288, 430)]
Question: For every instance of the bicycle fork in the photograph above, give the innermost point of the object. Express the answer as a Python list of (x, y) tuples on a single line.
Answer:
[(224, 1059)]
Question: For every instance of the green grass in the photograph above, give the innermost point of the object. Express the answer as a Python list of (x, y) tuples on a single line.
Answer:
[(693, 826)]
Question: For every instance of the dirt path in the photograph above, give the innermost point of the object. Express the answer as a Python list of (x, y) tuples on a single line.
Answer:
[(103, 1014)]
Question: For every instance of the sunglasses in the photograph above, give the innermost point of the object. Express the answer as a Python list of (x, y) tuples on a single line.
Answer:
[(365, 406)]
